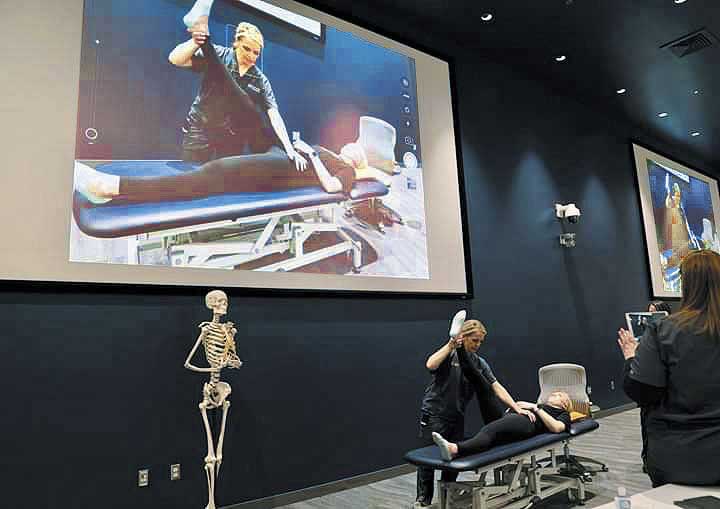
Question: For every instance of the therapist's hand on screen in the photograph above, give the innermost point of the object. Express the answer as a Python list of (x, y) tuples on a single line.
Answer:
[(199, 38), (627, 343), (300, 162)]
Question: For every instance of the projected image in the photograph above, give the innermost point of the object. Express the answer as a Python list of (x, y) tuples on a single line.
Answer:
[(683, 219), (239, 135)]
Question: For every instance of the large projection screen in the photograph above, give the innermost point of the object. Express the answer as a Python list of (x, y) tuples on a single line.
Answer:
[(106, 99), (680, 210)]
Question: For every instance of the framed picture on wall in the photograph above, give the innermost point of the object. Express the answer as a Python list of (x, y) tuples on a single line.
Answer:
[(680, 210)]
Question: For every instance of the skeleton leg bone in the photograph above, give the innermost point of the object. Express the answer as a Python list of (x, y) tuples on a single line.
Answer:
[(218, 456), (209, 459)]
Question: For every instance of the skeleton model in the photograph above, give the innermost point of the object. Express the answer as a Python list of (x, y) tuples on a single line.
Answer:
[(218, 339)]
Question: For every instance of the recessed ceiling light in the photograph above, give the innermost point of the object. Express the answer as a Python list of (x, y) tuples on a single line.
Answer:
[(696, 91), (663, 114), (560, 58), (486, 17), (679, 1), (620, 91), (695, 133)]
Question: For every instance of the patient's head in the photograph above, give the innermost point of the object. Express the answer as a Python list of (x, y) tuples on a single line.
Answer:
[(658, 305), (560, 399), (473, 333), (354, 155)]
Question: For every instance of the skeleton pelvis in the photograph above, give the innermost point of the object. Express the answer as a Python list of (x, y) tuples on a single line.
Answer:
[(216, 396)]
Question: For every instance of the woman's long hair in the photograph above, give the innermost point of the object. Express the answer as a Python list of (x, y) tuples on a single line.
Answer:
[(700, 304)]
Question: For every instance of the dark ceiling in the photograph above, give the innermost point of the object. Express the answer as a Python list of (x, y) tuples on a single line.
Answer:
[(609, 45)]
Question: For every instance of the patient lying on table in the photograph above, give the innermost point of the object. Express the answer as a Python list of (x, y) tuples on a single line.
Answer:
[(266, 172), (553, 416)]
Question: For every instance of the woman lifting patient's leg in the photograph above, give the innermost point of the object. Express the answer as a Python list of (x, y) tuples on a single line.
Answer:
[(553, 416)]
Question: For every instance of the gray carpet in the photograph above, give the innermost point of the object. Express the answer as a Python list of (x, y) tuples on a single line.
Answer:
[(617, 444)]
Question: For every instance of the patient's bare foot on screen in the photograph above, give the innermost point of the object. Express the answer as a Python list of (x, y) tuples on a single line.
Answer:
[(447, 449), (94, 185)]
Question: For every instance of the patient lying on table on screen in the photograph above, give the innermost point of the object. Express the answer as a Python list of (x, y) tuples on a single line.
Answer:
[(270, 171), (553, 416)]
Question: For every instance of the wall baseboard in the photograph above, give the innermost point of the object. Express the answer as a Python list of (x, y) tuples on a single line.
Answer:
[(321, 490), (614, 410)]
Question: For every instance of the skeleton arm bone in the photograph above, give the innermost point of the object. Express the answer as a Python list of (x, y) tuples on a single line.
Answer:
[(192, 367)]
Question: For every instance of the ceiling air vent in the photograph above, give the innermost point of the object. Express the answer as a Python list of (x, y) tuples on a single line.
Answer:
[(691, 43)]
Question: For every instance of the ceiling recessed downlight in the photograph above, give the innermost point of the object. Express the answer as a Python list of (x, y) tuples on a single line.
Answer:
[(696, 91), (560, 58), (695, 133), (621, 91), (679, 1), (486, 17), (663, 114)]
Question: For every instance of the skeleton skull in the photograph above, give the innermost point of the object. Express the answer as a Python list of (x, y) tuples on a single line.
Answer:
[(217, 301)]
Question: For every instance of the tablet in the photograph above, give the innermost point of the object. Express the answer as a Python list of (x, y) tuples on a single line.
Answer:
[(637, 322)]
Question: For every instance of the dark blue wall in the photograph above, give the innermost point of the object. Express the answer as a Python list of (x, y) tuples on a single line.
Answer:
[(95, 387)]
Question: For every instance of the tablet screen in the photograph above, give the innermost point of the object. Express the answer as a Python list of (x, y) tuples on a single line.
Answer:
[(638, 322)]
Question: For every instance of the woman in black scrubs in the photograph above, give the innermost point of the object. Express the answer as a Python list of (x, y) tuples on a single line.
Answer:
[(674, 371)]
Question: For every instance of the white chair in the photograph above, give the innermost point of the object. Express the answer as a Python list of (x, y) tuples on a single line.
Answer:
[(572, 379), (569, 378), (378, 139)]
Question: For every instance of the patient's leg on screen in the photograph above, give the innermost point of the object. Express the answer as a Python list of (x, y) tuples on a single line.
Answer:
[(270, 171)]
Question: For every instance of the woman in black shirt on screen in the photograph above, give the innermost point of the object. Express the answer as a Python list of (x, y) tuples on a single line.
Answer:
[(674, 371)]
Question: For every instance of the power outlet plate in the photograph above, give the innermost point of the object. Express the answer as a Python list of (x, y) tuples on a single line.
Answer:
[(175, 472), (143, 477)]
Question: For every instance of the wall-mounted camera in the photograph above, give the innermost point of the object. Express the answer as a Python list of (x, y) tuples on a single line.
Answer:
[(569, 212)]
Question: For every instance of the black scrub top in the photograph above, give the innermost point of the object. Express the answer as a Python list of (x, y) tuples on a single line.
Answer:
[(450, 390), (684, 427)]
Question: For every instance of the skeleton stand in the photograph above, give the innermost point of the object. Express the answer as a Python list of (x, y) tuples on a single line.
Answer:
[(218, 340)]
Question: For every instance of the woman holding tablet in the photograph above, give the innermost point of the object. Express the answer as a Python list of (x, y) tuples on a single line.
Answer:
[(673, 371)]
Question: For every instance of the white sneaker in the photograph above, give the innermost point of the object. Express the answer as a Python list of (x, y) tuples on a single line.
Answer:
[(457, 323), (444, 446)]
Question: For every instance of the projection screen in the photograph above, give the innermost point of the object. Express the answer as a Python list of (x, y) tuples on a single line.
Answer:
[(316, 156)]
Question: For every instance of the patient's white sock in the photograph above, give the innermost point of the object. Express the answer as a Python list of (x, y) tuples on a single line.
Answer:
[(457, 323), (95, 185), (201, 8), (444, 446)]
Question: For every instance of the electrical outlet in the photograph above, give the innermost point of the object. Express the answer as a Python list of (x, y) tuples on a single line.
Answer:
[(612, 385), (175, 472), (143, 477)]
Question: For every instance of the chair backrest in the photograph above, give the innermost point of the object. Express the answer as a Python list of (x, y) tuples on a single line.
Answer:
[(570, 378), (378, 138)]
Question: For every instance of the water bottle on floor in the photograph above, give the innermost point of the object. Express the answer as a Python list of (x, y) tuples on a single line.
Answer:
[(622, 501)]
